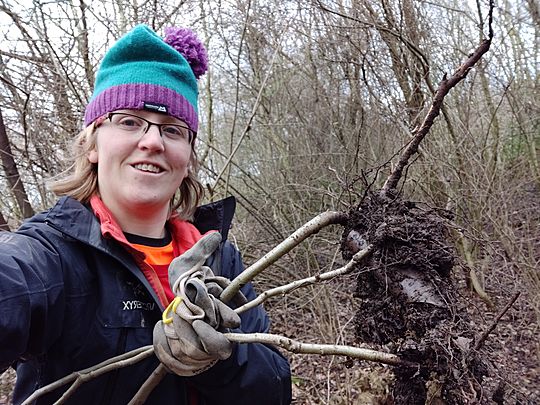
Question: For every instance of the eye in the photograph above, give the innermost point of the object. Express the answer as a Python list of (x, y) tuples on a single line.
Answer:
[(176, 132), (128, 122)]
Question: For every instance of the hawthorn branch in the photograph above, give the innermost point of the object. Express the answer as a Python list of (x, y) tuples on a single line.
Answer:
[(286, 343), (444, 88), (309, 228)]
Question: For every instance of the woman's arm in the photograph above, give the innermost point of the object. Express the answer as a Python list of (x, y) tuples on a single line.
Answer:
[(31, 297)]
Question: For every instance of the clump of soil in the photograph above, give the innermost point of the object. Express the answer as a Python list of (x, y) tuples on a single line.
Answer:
[(408, 302)]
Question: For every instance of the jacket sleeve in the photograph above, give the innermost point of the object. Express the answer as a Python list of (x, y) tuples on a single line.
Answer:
[(31, 297), (255, 373)]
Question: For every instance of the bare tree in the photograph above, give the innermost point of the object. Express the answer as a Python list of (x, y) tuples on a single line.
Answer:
[(12, 174)]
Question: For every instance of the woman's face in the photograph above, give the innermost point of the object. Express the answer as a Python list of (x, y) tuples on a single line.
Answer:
[(139, 172)]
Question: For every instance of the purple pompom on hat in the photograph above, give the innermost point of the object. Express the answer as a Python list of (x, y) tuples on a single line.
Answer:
[(186, 42), (142, 71)]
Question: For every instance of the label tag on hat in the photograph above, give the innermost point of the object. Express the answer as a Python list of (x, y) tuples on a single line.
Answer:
[(161, 108)]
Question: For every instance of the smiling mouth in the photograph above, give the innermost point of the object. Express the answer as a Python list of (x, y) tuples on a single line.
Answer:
[(145, 167)]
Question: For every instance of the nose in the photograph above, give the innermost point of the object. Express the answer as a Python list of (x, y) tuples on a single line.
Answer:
[(151, 139)]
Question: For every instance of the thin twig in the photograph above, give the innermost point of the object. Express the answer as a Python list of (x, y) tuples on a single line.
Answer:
[(491, 327), (74, 387), (309, 228), (287, 288), (247, 127)]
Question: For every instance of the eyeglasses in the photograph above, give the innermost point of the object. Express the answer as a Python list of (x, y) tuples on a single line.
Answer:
[(138, 125)]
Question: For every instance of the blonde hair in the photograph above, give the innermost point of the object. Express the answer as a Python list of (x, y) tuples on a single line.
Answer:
[(80, 179)]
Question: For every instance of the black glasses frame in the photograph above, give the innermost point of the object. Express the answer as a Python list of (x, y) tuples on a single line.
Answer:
[(191, 134)]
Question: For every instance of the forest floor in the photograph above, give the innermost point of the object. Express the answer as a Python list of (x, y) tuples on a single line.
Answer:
[(513, 354)]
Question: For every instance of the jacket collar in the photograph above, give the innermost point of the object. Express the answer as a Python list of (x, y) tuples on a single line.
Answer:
[(78, 221), (215, 216)]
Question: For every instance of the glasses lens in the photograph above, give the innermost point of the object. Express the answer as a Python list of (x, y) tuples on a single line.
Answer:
[(128, 122), (176, 132)]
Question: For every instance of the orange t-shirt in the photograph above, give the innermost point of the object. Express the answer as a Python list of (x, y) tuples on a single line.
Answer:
[(159, 259)]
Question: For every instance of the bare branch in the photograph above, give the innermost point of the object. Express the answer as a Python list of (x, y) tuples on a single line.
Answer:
[(444, 87), (295, 346), (130, 358), (287, 288), (250, 120), (87, 374), (491, 327), (12, 172), (309, 228)]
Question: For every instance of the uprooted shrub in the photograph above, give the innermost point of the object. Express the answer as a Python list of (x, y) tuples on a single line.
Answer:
[(408, 299)]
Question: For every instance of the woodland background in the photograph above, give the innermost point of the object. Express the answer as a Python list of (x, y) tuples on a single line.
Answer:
[(305, 106)]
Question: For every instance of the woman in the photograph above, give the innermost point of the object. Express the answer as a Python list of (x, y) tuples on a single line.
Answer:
[(89, 279)]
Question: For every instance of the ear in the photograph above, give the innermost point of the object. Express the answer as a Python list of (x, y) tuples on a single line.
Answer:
[(93, 156)]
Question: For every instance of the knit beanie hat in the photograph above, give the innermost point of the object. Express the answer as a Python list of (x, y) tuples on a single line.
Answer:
[(142, 71)]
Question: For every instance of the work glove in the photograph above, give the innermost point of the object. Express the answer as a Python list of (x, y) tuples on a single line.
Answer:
[(189, 340)]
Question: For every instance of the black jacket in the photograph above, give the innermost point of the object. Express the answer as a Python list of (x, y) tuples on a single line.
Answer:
[(70, 298)]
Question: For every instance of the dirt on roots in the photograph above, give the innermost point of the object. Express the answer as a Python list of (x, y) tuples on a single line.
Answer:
[(408, 301)]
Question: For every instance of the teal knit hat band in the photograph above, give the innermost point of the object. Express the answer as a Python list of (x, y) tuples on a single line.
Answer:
[(142, 71)]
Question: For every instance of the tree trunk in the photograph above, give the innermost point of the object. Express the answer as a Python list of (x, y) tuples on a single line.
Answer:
[(12, 173)]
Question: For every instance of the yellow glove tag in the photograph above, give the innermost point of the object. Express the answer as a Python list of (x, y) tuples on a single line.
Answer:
[(172, 307)]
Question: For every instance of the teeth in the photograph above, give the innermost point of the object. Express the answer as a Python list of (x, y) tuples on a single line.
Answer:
[(147, 168)]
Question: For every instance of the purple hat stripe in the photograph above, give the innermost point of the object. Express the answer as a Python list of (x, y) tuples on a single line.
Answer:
[(132, 96)]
